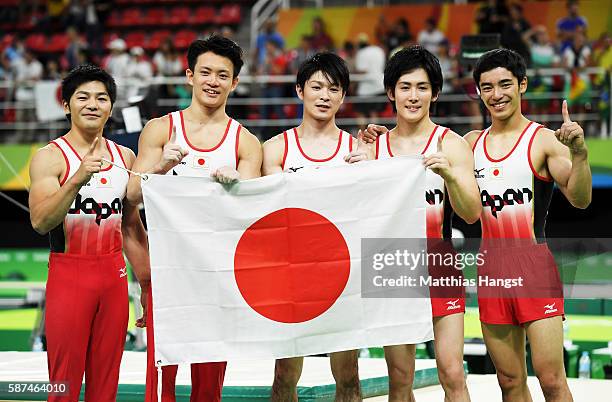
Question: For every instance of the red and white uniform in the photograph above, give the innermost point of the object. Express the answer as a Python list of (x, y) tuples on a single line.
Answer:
[(515, 200), (206, 378), (438, 216), (93, 223), (295, 158), (86, 295), (202, 162)]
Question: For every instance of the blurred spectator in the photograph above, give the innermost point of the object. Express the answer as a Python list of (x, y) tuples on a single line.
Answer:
[(6, 71), (269, 33), (303, 52), (578, 54), (28, 72), (568, 25), (448, 65), (602, 51), (29, 69), (463, 81), (602, 57), (542, 52), (167, 61), (577, 83), (52, 70), (320, 39), (492, 17), (349, 54), (75, 16), (542, 55), (95, 15), (512, 35), (381, 30), (74, 47), (275, 63), (117, 61), (370, 60), (431, 37), (139, 67), (139, 72), (399, 35), (14, 52), (116, 64)]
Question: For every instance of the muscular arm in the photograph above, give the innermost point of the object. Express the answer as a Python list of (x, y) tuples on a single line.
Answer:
[(273, 152), (570, 170), (150, 147), (249, 155), (49, 202), (461, 184)]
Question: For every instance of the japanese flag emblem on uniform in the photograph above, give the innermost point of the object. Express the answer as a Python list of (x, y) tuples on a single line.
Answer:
[(103, 181)]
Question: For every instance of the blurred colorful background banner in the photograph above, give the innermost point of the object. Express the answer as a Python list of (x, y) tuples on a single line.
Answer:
[(14, 164), (454, 20)]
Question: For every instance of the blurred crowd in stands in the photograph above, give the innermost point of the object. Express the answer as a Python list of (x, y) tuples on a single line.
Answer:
[(567, 48), (88, 39)]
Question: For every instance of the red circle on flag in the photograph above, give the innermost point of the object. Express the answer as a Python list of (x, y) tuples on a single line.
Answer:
[(291, 265), (201, 161), (495, 172), (103, 180)]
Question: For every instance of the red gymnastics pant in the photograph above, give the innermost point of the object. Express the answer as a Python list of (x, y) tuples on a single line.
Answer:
[(86, 323), (206, 378)]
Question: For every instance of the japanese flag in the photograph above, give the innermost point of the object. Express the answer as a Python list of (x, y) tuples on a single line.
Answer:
[(270, 267), (48, 96)]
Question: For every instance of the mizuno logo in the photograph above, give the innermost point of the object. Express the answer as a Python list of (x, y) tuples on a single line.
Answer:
[(292, 169), (477, 173), (122, 272), (550, 308), (452, 304)]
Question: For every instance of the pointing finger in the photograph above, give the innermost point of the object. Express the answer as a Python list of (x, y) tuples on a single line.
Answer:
[(565, 113), (93, 146), (173, 136), (439, 144)]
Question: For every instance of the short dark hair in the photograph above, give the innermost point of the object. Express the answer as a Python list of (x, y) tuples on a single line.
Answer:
[(410, 59), (506, 58), (218, 45), (331, 65), (87, 73)]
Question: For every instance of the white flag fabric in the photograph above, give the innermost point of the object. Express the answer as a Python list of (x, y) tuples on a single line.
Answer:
[(48, 98), (270, 267)]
